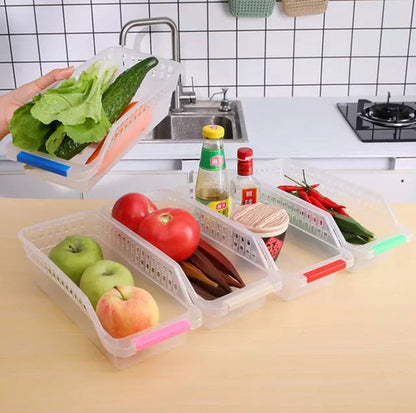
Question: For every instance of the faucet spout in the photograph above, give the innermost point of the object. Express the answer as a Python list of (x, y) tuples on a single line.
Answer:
[(178, 95), (150, 22)]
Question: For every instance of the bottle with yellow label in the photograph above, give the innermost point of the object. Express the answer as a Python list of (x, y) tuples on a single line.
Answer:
[(212, 186)]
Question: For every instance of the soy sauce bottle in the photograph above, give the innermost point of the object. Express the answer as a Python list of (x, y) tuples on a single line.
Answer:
[(212, 186)]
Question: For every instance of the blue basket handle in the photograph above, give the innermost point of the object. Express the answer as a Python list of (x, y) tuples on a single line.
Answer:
[(42, 163)]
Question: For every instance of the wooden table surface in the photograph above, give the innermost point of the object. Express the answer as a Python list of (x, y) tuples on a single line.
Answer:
[(347, 347)]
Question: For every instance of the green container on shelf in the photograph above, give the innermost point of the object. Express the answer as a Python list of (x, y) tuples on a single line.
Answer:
[(252, 8)]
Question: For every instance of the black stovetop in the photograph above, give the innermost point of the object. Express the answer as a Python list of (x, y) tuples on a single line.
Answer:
[(369, 132)]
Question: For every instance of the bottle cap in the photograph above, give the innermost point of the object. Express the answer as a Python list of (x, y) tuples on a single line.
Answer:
[(245, 161), (244, 154), (213, 132)]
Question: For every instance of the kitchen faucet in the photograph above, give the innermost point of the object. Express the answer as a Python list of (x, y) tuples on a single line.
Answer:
[(225, 103), (179, 95)]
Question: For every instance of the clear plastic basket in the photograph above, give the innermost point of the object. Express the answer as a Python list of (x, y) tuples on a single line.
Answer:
[(246, 251), (153, 100), (150, 270), (311, 255), (367, 207)]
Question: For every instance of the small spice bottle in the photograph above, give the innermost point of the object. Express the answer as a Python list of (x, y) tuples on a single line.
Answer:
[(244, 187)]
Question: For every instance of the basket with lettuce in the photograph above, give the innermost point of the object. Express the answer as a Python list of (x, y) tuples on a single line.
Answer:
[(63, 121)]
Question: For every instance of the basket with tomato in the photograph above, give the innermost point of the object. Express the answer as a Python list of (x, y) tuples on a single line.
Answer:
[(176, 232)]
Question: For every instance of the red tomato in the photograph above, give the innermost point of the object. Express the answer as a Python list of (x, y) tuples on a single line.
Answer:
[(131, 208), (173, 230)]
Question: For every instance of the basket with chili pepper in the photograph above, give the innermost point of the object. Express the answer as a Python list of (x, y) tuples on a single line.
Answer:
[(353, 232)]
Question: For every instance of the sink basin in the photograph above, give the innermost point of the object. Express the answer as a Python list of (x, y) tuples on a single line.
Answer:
[(186, 126)]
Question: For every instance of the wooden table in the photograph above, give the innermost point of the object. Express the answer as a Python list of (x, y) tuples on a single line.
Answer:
[(348, 347)]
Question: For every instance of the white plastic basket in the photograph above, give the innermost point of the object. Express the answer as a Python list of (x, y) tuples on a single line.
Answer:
[(153, 99), (368, 208), (311, 256), (246, 251), (150, 270)]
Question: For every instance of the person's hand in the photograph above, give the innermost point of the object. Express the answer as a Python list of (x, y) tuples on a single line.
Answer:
[(18, 97)]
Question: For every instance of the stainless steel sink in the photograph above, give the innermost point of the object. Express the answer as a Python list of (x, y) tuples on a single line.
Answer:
[(186, 126)]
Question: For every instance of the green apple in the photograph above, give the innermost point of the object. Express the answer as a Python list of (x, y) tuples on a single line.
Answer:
[(74, 254), (101, 277)]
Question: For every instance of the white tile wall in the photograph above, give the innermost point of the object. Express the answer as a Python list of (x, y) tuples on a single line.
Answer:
[(280, 43), (251, 72), (395, 42), (356, 47), (308, 43), (52, 47), (279, 71), (78, 18), (364, 70), (335, 70), (222, 73), (366, 42), (337, 43), (392, 70), (251, 44)]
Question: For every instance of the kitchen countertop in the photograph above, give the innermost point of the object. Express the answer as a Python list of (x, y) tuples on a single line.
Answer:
[(299, 127), (303, 127), (347, 347)]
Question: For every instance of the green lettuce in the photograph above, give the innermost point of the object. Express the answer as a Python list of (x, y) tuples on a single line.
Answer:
[(73, 109), (74, 101), (89, 131), (28, 133)]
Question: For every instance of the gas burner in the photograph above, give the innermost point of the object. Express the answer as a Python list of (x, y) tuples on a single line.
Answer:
[(381, 122), (388, 114)]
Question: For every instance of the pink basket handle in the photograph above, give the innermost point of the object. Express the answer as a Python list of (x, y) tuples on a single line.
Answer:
[(324, 270), (162, 334)]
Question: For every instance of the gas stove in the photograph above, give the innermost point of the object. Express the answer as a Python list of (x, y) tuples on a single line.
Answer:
[(381, 122)]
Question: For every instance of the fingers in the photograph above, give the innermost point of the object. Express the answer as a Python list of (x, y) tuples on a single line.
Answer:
[(31, 89), (51, 77)]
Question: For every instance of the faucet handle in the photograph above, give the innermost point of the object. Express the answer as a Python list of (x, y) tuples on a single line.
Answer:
[(215, 94), (224, 92)]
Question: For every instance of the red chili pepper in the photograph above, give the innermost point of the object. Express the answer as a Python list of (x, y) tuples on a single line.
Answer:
[(341, 211), (291, 188), (326, 202), (304, 195), (317, 203)]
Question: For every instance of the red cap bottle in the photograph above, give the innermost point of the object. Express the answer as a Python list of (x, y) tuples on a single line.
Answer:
[(245, 161)]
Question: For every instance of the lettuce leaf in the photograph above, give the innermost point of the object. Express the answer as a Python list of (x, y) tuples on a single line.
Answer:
[(27, 132), (73, 109), (74, 101), (89, 131)]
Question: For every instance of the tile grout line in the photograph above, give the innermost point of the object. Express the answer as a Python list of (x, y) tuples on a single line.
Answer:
[(10, 45), (351, 47), (207, 59), (121, 15), (408, 48), (236, 56), (380, 45), (322, 55), (92, 26), (265, 59), (65, 33), (37, 36), (149, 13), (293, 56)]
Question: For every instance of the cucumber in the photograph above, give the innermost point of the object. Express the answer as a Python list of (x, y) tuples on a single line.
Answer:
[(69, 148), (353, 232), (114, 100), (119, 94)]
